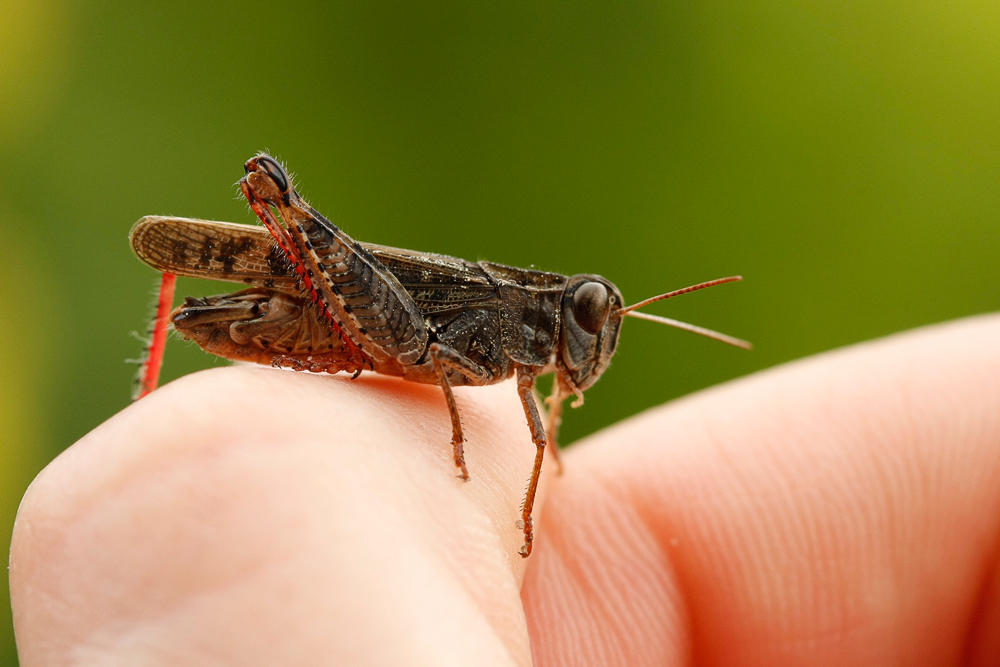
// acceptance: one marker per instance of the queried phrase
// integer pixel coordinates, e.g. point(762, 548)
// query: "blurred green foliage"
point(842, 155)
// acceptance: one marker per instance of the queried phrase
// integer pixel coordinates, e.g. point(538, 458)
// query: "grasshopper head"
point(593, 310)
point(590, 327)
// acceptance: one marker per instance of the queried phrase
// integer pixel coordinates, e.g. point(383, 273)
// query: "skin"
point(841, 510)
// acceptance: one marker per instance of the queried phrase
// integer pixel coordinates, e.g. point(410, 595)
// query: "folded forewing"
point(438, 283)
point(214, 250)
point(247, 254)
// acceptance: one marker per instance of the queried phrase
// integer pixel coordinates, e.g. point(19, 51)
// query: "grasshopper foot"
point(459, 452)
point(529, 537)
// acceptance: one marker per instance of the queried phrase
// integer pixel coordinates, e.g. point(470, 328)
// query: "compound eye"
point(274, 170)
point(590, 306)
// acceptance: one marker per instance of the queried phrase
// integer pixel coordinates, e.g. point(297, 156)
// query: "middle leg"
point(525, 389)
point(444, 357)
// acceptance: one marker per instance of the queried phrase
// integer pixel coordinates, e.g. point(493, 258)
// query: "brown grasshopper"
point(323, 302)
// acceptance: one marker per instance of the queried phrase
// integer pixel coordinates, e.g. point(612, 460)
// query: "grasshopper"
point(320, 301)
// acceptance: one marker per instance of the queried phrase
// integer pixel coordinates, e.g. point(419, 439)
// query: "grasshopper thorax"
point(590, 327)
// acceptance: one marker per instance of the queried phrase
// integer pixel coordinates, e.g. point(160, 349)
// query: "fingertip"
point(240, 485)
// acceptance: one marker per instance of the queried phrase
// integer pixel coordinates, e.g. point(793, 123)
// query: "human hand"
point(840, 510)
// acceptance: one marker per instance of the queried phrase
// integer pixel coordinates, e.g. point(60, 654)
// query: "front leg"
point(554, 404)
point(562, 388)
point(525, 388)
point(444, 357)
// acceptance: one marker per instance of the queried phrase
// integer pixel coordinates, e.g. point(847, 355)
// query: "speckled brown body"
point(321, 301)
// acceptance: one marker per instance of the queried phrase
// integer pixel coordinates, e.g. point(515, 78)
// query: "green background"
point(844, 156)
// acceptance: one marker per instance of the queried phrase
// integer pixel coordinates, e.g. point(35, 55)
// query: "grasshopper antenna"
point(678, 292)
point(630, 311)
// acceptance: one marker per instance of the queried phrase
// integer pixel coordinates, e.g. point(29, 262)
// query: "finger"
point(840, 510)
point(248, 516)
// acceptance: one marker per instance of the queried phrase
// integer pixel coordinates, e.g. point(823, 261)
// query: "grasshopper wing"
point(439, 284)
point(214, 250)
point(248, 254)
